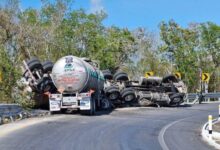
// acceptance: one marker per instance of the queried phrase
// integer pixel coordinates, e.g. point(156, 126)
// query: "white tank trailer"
point(71, 74)
point(71, 82)
point(79, 83)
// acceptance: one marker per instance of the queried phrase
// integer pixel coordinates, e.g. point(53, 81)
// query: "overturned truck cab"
point(166, 91)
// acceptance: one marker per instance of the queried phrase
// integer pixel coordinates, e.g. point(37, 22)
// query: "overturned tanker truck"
point(72, 82)
point(160, 91)
point(77, 83)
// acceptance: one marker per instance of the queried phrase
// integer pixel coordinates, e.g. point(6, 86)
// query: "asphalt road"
point(121, 129)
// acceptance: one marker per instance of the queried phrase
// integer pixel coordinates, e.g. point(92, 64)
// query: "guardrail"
point(192, 98)
point(10, 111)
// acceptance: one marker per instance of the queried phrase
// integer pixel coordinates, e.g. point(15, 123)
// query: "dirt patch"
point(216, 128)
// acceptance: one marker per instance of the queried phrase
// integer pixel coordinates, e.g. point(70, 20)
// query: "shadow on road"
point(184, 105)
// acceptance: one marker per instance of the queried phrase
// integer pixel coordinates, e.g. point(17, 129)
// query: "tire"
point(112, 93)
point(35, 65)
point(105, 104)
point(107, 74)
point(63, 110)
point(33, 59)
point(45, 85)
point(47, 66)
point(120, 76)
point(90, 112)
point(128, 95)
point(148, 82)
point(169, 78)
point(175, 96)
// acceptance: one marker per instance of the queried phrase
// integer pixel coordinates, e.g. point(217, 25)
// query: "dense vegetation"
point(55, 30)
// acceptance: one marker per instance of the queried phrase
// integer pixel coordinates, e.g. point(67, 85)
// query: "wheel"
point(47, 66)
point(169, 78)
point(31, 60)
point(107, 74)
point(34, 63)
point(176, 99)
point(120, 76)
point(45, 84)
point(105, 104)
point(63, 110)
point(128, 95)
point(112, 93)
point(91, 111)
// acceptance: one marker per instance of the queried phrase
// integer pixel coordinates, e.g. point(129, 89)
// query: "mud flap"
point(85, 103)
point(55, 105)
point(55, 102)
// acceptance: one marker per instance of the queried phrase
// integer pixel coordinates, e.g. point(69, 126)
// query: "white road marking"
point(163, 130)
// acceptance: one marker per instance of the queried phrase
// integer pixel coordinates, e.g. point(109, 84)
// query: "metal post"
point(206, 90)
point(20, 115)
point(29, 71)
point(11, 118)
point(210, 126)
point(219, 111)
point(201, 86)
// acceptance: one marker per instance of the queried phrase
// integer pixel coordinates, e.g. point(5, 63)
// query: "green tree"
point(146, 57)
point(181, 47)
point(210, 44)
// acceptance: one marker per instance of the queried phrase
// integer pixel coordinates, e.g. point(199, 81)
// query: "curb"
point(205, 134)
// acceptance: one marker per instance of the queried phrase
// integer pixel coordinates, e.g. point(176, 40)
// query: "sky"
point(147, 13)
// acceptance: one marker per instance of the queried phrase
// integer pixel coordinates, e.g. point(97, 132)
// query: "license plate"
point(69, 100)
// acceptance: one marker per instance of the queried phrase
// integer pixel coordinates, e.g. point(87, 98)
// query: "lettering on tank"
point(69, 67)
point(68, 80)
point(95, 74)
point(69, 60)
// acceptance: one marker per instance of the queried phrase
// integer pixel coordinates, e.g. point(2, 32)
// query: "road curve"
point(123, 129)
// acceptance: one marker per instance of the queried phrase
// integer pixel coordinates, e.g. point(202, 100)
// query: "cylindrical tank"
point(71, 74)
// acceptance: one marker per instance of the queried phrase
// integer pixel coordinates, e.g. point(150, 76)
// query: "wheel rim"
point(129, 97)
point(113, 96)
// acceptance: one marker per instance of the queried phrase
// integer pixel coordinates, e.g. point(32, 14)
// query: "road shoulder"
point(9, 128)
point(215, 140)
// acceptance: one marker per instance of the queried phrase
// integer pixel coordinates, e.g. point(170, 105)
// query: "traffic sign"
point(148, 74)
point(178, 75)
point(205, 77)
